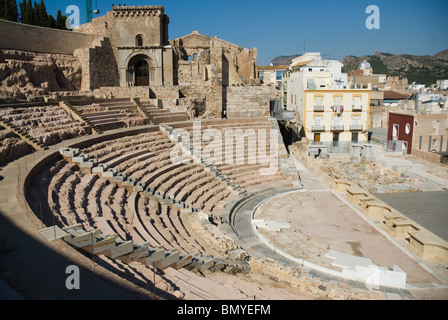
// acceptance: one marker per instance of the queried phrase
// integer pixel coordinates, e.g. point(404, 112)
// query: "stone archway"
point(140, 71)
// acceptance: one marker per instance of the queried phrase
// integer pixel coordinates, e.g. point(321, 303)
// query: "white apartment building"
point(326, 108)
point(442, 84)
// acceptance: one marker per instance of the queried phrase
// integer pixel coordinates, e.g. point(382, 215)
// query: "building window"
point(335, 139)
point(407, 128)
point(395, 132)
point(139, 40)
point(337, 101)
point(434, 142)
point(317, 137)
point(195, 57)
point(279, 74)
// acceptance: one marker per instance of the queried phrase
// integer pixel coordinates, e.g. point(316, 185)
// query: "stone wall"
point(430, 126)
point(428, 156)
point(24, 37)
point(25, 75)
point(249, 101)
point(98, 65)
point(120, 92)
point(195, 60)
point(164, 92)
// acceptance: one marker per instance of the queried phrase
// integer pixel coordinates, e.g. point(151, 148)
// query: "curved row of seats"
point(11, 147)
point(75, 197)
point(146, 157)
point(48, 124)
point(110, 113)
point(246, 170)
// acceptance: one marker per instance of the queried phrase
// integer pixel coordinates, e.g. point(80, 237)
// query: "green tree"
point(2, 9)
point(8, 10)
point(60, 21)
point(36, 14)
point(27, 12)
point(52, 22)
point(42, 15)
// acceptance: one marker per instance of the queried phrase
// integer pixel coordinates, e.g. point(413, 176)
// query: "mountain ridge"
point(425, 69)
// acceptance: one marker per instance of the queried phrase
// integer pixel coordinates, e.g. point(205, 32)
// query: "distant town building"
point(326, 108)
point(419, 131)
point(271, 75)
point(442, 85)
point(364, 76)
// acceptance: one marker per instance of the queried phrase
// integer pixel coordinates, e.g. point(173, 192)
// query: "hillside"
point(420, 69)
point(283, 60)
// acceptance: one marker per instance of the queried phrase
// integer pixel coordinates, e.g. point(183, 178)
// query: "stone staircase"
point(143, 112)
point(37, 145)
point(160, 115)
point(67, 106)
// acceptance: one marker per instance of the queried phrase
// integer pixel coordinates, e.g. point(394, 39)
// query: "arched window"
point(195, 57)
point(189, 58)
point(139, 40)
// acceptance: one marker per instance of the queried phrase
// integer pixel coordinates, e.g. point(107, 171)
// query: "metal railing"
point(317, 127)
point(318, 108)
point(357, 107)
point(337, 127)
point(356, 127)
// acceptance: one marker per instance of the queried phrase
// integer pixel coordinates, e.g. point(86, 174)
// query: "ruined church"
point(128, 53)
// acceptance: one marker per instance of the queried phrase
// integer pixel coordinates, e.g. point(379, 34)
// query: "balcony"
point(318, 127)
point(337, 108)
point(356, 127)
point(337, 127)
point(356, 107)
point(318, 108)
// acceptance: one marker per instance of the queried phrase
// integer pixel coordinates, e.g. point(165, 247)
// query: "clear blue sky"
point(333, 27)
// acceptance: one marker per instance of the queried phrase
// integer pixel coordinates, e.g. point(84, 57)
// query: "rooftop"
point(392, 95)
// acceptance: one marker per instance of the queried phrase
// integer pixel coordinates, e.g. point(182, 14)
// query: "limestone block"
point(171, 258)
point(140, 252)
point(109, 173)
point(138, 187)
point(122, 249)
point(83, 240)
point(149, 191)
point(104, 244)
point(100, 168)
point(155, 255)
point(183, 261)
point(69, 152)
point(80, 158)
point(89, 164)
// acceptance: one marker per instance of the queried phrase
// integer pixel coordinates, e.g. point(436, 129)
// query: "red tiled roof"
point(392, 95)
point(272, 67)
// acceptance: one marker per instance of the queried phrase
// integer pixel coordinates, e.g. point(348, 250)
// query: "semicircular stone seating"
point(44, 124)
point(75, 197)
point(158, 207)
point(243, 151)
point(110, 114)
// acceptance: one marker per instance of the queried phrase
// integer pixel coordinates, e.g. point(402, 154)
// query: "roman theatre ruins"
point(89, 120)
